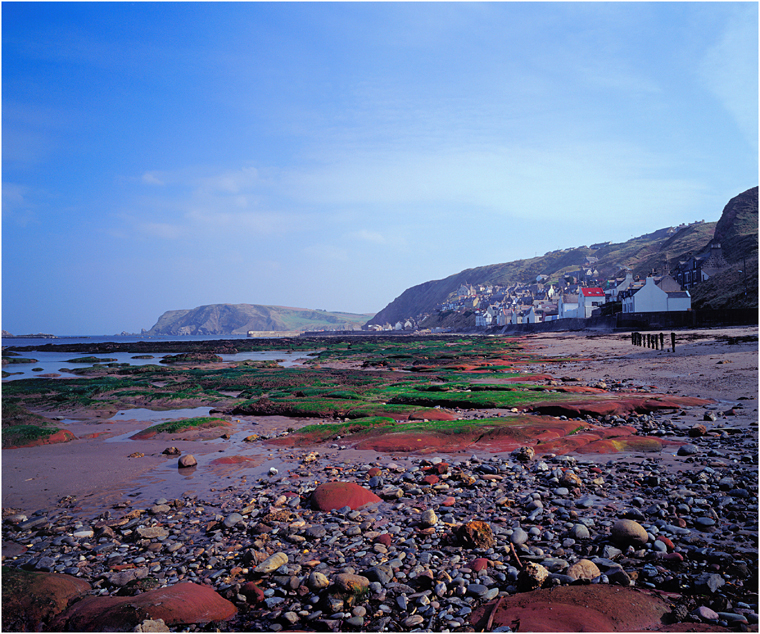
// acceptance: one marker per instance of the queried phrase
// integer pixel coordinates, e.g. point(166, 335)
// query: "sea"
point(47, 362)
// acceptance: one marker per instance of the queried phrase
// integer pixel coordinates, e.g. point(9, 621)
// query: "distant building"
point(588, 299)
point(700, 268)
point(650, 298)
point(567, 306)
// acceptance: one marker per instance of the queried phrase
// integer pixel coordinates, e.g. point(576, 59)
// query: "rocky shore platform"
point(334, 537)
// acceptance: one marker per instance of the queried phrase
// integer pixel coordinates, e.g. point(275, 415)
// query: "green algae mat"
point(376, 382)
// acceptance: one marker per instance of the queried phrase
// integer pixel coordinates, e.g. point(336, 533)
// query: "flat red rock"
point(599, 608)
point(183, 603)
point(33, 598)
point(336, 495)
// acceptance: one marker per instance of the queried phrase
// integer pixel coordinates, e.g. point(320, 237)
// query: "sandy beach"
point(719, 364)
point(274, 534)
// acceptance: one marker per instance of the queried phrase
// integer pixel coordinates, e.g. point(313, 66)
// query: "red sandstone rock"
point(385, 539)
point(597, 608)
point(31, 599)
point(252, 592)
point(617, 405)
point(335, 495)
point(431, 479)
point(181, 604)
point(481, 563)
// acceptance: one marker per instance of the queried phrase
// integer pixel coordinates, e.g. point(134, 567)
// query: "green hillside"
point(658, 252)
point(238, 319)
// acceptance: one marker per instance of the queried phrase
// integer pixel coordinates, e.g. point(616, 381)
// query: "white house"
point(567, 306)
point(589, 298)
point(504, 317)
point(532, 317)
point(623, 286)
point(679, 300)
point(650, 298)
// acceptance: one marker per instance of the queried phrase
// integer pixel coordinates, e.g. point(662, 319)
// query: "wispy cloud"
point(162, 230)
point(17, 206)
point(364, 235)
point(326, 253)
point(151, 179)
point(729, 70)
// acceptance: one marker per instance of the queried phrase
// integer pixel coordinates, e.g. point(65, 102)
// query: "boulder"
point(588, 608)
point(336, 495)
point(181, 604)
point(531, 577)
point(31, 599)
point(524, 454)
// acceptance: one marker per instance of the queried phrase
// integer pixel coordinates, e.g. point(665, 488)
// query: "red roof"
point(592, 292)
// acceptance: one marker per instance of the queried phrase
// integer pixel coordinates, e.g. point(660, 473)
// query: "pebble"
point(403, 558)
point(627, 531)
point(519, 536)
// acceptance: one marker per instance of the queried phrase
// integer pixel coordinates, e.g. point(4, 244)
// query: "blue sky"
point(159, 156)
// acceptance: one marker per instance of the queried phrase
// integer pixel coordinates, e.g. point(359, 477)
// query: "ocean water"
point(52, 362)
point(41, 341)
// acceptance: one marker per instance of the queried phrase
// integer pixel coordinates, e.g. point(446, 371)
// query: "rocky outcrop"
point(31, 599)
point(736, 232)
point(737, 229)
point(238, 319)
point(181, 604)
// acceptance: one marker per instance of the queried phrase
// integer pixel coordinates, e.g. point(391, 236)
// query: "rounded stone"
point(351, 583)
point(318, 581)
point(629, 532)
point(187, 461)
point(270, 564)
point(579, 531)
point(584, 569)
point(519, 536)
point(336, 495)
point(413, 621)
point(429, 518)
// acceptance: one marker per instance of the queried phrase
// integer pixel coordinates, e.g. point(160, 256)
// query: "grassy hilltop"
point(238, 319)
point(736, 232)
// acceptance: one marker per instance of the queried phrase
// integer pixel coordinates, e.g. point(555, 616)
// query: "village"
point(576, 294)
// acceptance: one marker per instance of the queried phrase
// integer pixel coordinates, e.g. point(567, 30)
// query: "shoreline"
point(703, 365)
point(129, 525)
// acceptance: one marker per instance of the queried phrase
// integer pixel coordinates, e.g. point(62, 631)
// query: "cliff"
point(662, 250)
point(238, 319)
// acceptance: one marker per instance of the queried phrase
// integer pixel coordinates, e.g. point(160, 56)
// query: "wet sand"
point(99, 472)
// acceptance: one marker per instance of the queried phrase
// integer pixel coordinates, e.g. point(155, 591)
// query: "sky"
point(163, 156)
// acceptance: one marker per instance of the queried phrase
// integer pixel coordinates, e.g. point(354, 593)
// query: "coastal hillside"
point(661, 251)
point(238, 319)
point(737, 234)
